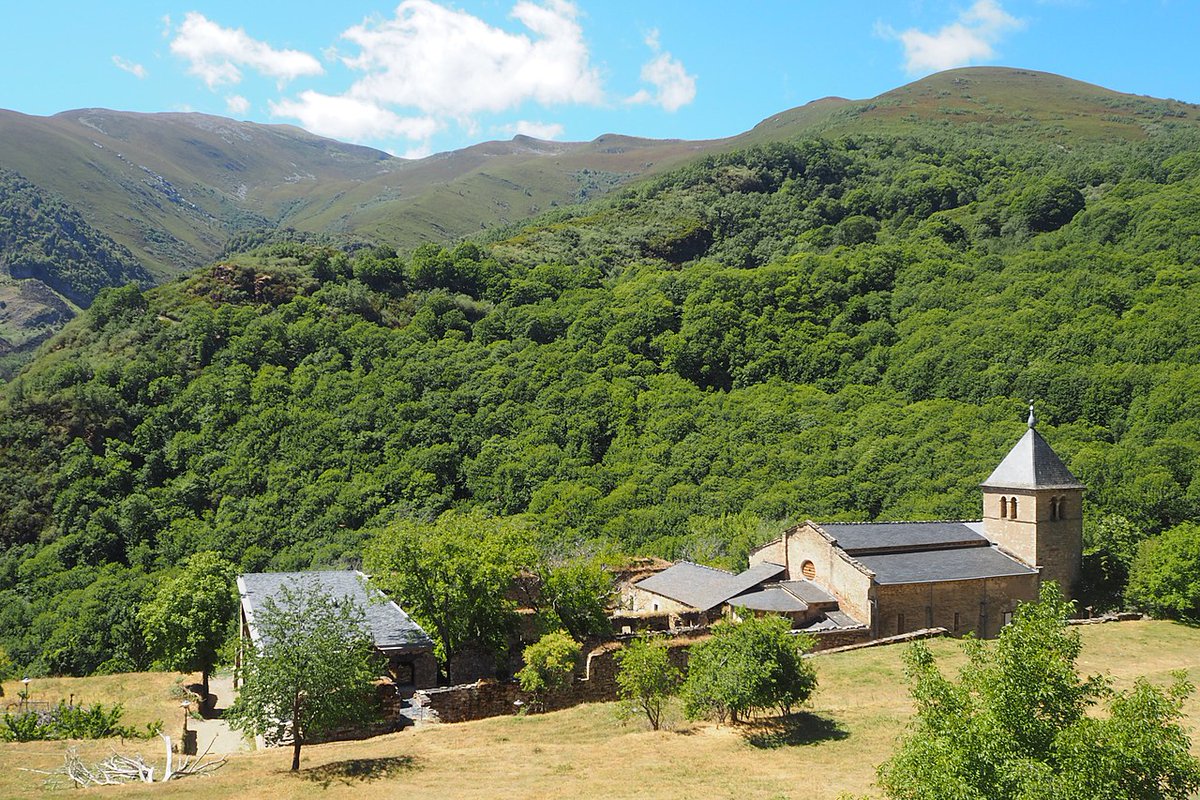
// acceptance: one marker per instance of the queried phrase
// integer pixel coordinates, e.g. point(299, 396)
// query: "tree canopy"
point(746, 667)
point(192, 615)
point(1165, 575)
point(1016, 723)
point(454, 575)
point(835, 329)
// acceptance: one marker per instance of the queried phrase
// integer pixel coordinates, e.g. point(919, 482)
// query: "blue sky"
point(423, 76)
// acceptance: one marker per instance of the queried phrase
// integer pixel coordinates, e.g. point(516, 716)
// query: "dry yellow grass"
point(855, 720)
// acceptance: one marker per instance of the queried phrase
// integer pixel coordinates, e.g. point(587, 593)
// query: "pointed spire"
point(1032, 464)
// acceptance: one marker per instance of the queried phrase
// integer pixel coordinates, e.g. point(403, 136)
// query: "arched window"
point(1062, 508)
point(808, 570)
point(1003, 507)
point(1053, 508)
point(1012, 508)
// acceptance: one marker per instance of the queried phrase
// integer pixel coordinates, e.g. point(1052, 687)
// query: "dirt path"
point(214, 730)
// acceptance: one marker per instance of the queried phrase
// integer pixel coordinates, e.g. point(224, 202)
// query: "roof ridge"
point(711, 569)
point(904, 522)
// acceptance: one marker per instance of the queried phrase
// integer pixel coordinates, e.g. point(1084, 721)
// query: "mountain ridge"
point(174, 187)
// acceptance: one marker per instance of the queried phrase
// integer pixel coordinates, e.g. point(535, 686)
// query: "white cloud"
point(674, 88)
point(421, 151)
point(538, 130)
point(236, 104)
point(353, 119)
point(136, 70)
point(451, 64)
point(972, 37)
point(215, 54)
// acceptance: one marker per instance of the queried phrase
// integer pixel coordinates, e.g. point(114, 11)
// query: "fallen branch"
point(120, 769)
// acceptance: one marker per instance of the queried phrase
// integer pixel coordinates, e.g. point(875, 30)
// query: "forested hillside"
point(45, 242)
point(843, 328)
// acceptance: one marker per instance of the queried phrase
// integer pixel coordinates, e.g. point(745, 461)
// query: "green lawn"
point(852, 725)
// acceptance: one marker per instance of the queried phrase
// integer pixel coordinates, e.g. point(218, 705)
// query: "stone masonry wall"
point(595, 683)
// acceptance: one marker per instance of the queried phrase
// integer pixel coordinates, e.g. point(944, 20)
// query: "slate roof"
point(702, 587)
point(771, 599)
point(390, 627)
point(927, 566)
point(866, 537)
point(1032, 464)
point(808, 591)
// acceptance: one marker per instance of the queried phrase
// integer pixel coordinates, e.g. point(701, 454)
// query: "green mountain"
point(846, 325)
point(176, 190)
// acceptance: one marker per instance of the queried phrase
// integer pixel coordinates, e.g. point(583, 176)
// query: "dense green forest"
point(43, 237)
point(834, 329)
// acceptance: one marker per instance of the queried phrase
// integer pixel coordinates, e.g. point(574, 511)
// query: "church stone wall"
point(980, 605)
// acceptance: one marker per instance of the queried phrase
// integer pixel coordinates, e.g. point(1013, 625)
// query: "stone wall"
point(960, 607)
point(840, 637)
point(595, 683)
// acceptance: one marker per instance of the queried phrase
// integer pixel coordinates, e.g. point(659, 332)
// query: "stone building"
point(401, 641)
point(897, 577)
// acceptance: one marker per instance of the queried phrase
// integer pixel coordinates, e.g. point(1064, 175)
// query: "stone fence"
point(595, 682)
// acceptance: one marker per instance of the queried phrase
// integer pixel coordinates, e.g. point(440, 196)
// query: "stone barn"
point(400, 640)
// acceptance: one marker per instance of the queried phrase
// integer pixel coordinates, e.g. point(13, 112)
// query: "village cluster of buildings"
point(884, 578)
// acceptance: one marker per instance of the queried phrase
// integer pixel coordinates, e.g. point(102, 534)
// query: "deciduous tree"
point(1165, 576)
point(646, 679)
point(191, 615)
point(311, 669)
point(453, 575)
point(1015, 724)
point(549, 664)
point(746, 667)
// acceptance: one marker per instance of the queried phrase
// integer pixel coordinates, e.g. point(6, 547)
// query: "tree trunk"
point(296, 732)
point(204, 683)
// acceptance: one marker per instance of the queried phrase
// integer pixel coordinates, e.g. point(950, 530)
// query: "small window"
point(928, 616)
point(899, 623)
point(656, 606)
point(1012, 508)
point(1007, 617)
point(808, 570)
point(1003, 507)
point(1062, 508)
point(956, 622)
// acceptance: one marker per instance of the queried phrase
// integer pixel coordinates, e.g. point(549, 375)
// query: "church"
point(897, 577)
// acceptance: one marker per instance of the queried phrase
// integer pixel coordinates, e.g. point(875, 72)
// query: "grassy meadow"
point(850, 726)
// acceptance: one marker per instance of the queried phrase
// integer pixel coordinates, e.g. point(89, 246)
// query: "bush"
point(549, 665)
point(746, 667)
point(72, 722)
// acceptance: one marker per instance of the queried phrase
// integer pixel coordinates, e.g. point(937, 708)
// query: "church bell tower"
point(1033, 507)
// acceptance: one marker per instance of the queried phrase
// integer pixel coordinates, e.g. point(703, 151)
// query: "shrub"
point(549, 665)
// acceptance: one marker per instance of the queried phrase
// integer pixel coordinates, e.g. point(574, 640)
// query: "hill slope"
point(174, 188)
point(834, 329)
point(851, 724)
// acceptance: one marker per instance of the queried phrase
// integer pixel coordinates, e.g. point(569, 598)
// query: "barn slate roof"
point(866, 537)
point(703, 587)
point(956, 564)
point(808, 591)
point(1032, 464)
point(773, 598)
point(391, 628)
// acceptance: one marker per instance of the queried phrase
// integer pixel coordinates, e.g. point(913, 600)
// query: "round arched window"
point(808, 570)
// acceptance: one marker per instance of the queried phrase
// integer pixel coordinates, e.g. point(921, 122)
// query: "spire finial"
point(1032, 418)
